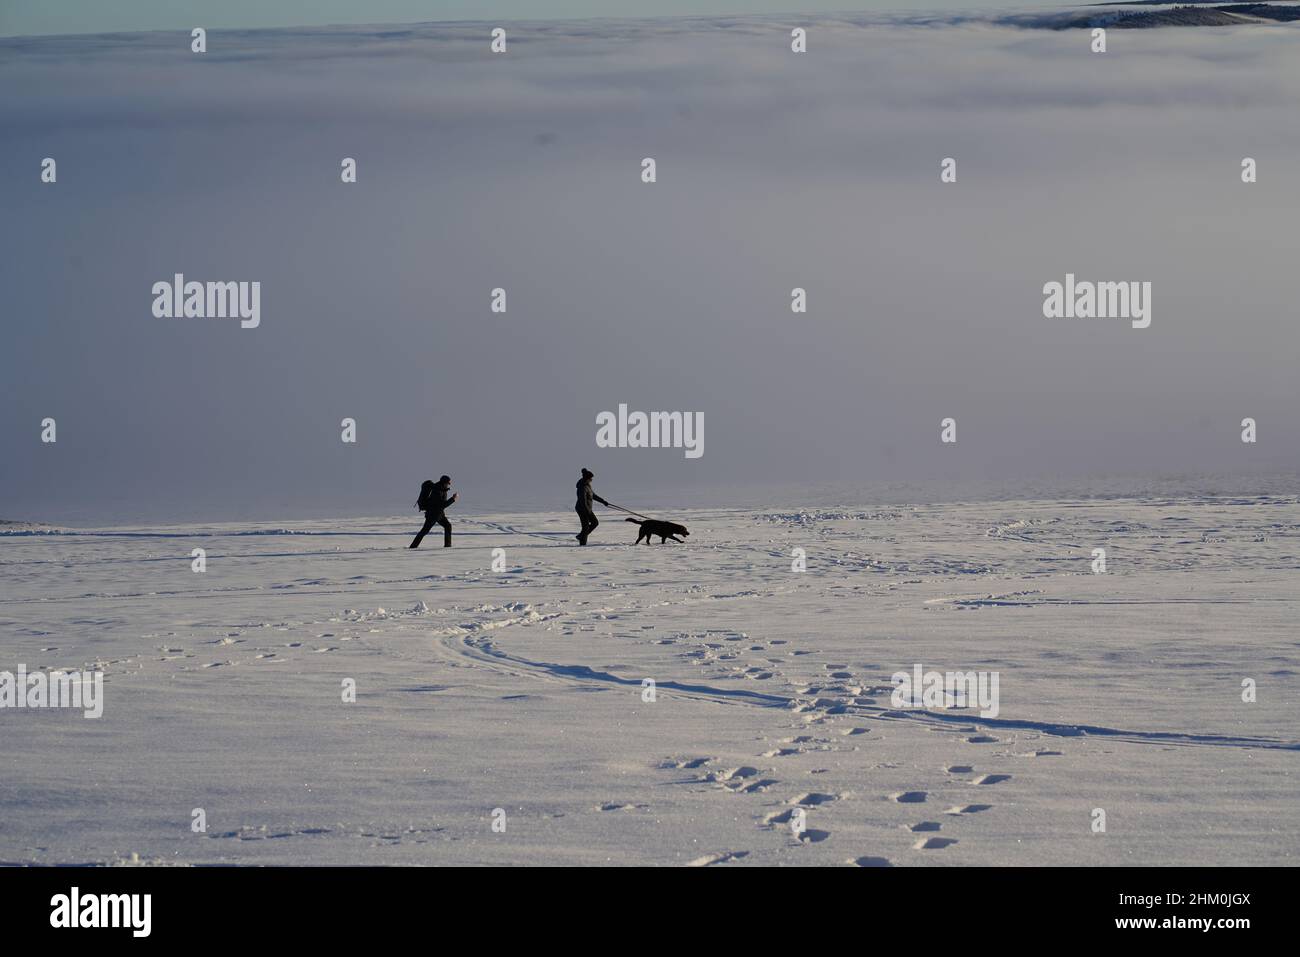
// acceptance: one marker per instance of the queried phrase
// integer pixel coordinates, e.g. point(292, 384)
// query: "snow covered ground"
point(523, 690)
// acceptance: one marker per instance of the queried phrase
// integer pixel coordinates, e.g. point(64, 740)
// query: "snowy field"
point(523, 690)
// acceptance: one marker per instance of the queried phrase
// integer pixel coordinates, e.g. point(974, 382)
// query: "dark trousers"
point(429, 519)
point(589, 523)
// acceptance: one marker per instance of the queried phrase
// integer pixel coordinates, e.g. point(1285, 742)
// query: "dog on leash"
point(665, 530)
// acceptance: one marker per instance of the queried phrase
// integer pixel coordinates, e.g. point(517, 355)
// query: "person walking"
point(433, 502)
point(583, 508)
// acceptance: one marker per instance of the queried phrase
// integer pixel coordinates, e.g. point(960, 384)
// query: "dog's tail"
point(634, 521)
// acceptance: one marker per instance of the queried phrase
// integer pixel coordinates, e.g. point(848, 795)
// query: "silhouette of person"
point(583, 508)
point(433, 500)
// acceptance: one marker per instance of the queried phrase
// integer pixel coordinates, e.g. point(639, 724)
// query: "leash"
point(630, 512)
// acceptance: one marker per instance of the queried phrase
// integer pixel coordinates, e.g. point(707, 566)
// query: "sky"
point(41, 17)
point(522, 171)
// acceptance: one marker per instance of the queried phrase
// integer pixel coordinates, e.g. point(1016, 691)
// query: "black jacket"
point(585, 495)
point(437, 501)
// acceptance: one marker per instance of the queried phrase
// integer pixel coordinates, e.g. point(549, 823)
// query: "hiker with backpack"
point(433, 500)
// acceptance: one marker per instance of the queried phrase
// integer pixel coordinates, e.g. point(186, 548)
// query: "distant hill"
point(1199, 15)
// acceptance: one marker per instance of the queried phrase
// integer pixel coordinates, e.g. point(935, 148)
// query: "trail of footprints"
point(273, 653)
point(820, 705)
point(934, 842)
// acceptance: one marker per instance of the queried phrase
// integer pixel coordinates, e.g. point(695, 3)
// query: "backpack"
point(426, 495)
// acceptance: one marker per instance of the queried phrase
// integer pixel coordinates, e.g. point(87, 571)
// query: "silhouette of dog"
point(665, 530)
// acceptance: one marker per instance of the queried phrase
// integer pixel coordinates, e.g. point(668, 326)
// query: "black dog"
point(665, 530)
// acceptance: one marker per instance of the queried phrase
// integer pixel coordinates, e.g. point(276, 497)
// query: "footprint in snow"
point(813, 799)
point(710, 859)
point(684, 764)
point(910, 797)
point(933, 843)
point(968, 808)
point(728, 774)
